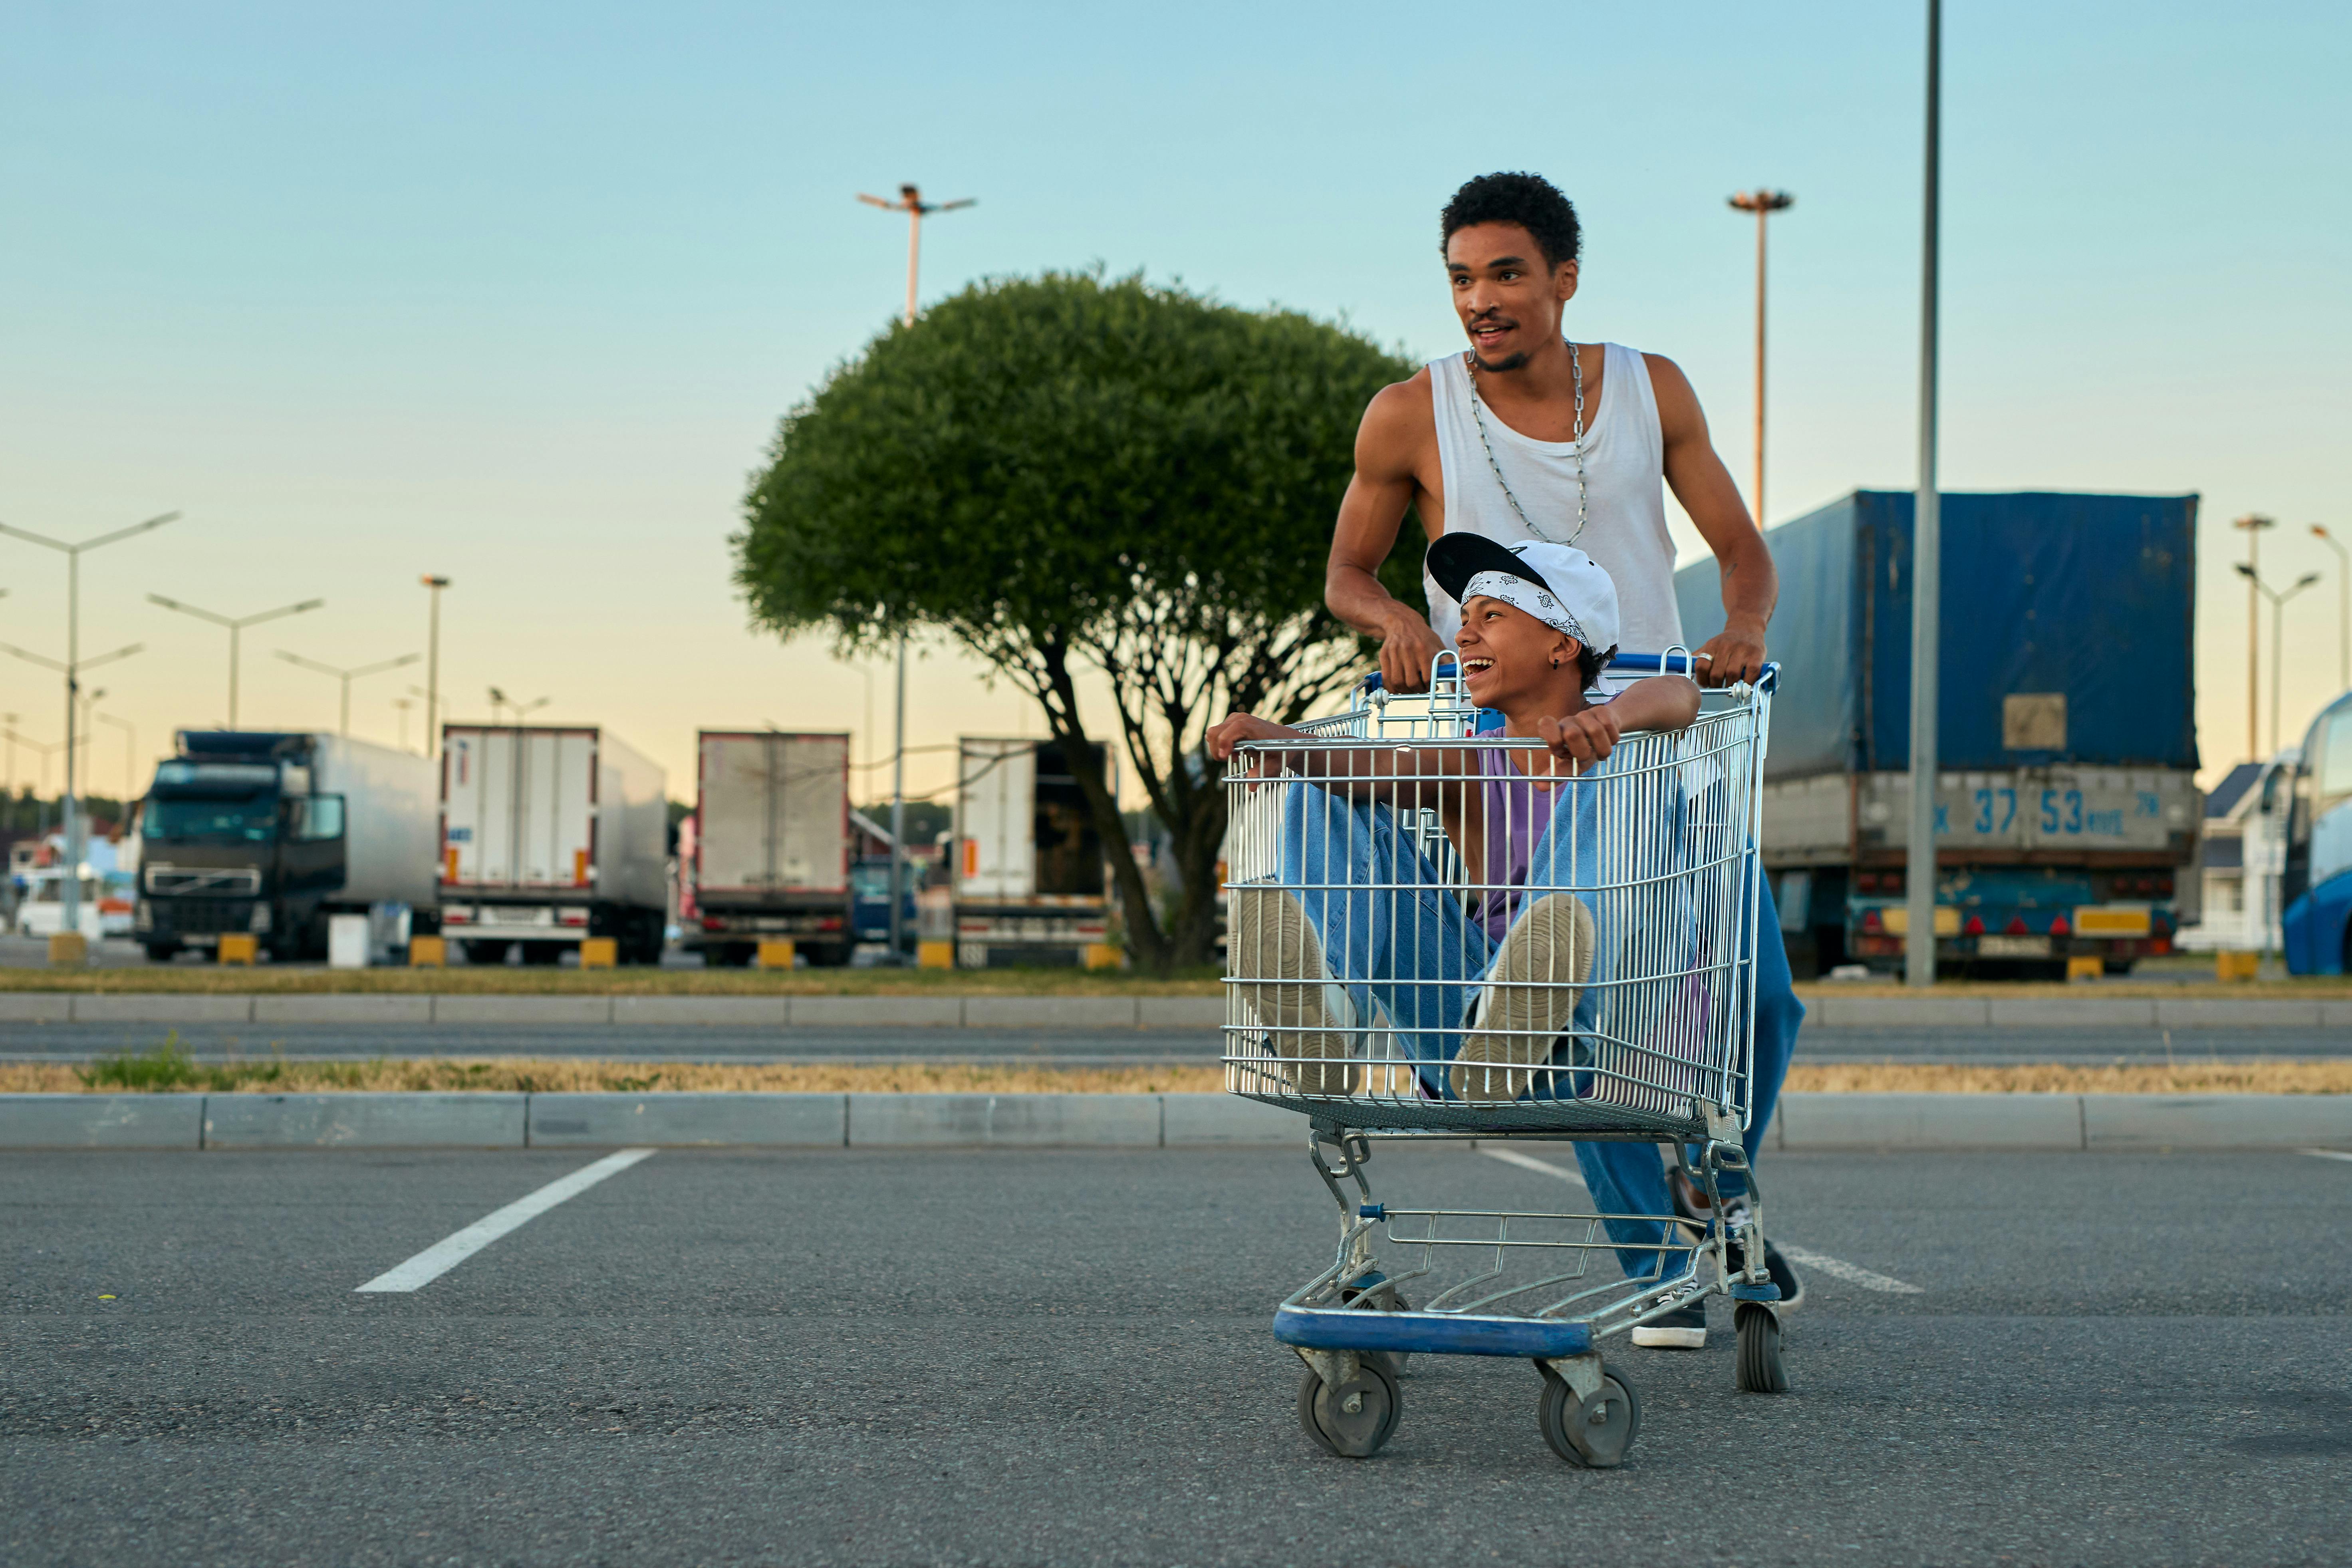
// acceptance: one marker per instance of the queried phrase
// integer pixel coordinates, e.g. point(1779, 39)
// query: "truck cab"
point(234, 840)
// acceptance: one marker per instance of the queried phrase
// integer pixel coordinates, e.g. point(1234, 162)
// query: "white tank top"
point(1624, 472)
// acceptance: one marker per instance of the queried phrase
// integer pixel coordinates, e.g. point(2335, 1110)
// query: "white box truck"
point(272, 834)
point(771, 846)
point(550, 834)
point(1029, 883)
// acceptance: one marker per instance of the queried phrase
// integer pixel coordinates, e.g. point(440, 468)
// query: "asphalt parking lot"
point(1064, 1356)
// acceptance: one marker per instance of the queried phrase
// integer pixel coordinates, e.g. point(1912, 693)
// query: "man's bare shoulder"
point(1677, 400)
point(1399, 422)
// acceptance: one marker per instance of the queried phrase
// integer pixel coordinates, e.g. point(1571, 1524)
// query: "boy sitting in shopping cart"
point(1484, 965)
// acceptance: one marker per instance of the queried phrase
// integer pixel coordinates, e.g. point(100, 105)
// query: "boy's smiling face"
point(1507, 655)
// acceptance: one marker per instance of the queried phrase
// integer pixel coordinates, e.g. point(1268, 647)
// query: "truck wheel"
point(733, 954)
point(487, 953)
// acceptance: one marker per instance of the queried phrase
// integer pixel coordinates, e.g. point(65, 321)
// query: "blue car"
point(870, 887)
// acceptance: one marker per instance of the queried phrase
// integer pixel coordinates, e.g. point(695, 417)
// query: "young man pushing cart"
point(1530, 435)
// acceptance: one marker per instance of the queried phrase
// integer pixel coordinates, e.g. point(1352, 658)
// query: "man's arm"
point(1370, 516)
point(1750, 586)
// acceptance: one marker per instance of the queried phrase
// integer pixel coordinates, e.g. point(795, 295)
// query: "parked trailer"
point(1030, 882)
point(771, 846)
point(551, 835)
point(2067, 805)
point(270, 834)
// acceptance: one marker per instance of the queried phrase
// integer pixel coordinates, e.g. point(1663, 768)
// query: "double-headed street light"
point(347, 677)
point(130, 759)
point(501, 700)
point(2278, 640)
point(2343, 604)
point(236, 625)
point(70, 912)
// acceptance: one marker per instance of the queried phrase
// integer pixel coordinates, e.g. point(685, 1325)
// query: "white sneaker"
point(1684, 1329)
point(1529, 999)
point(1306, 1015)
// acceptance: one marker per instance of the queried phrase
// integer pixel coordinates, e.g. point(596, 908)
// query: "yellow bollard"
point(776, 954)
point(1104, 955)
point(2084, 969)
point(600, 952)
point(69, 947)
point(2236, 965)
point(428, 952)
point(238, 949)
point(935, 955)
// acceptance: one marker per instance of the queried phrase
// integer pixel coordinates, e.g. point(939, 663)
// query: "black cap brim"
point(1456, 558)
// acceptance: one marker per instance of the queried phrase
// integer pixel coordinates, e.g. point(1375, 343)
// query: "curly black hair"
point(1531, 201)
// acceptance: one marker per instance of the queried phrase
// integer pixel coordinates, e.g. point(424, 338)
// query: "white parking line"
point(450, 1251)
point(1530, 1162)
point(2328, 1154)
point(1851, 1273)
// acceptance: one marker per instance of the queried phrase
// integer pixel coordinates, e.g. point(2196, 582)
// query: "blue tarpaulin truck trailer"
point(2066, 806)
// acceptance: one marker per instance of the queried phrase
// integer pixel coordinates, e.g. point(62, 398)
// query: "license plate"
point(2012, 947)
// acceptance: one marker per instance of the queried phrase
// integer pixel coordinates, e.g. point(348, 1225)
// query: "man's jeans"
point(1631, 1178)
point(1390, 926)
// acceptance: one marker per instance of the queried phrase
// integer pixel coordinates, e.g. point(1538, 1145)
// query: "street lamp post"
point(2278, 599)
point(910, 202)
point(129, 754)
point(501, 700)
point(44, 750)
point(2253, 523)
point(2343, 604)
point(433, 668)
point(1763, 203)
point(1927, 566)
point(69, 889)
point(236, 625)
point(347, 677)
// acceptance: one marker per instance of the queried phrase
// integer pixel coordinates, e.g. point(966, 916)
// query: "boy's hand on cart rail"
point(1586, 737)
point(1735, 653)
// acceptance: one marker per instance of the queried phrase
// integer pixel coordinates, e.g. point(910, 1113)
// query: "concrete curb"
point(979, 1012)
point(1895, 1122)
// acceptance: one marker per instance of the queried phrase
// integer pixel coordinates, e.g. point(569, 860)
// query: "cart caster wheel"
point(1354, 1419)
point(1397, 1361)
point(1760, 1370)
point(1595, 1433)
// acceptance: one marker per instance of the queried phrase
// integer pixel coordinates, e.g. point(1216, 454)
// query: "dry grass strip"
point(169, 1068)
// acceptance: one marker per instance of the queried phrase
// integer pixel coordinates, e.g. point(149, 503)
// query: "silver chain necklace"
point(1477, 412)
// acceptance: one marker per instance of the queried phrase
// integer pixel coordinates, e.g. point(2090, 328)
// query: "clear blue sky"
point(517, 292)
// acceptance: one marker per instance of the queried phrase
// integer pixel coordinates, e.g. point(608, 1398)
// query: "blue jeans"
point(1631, 1178)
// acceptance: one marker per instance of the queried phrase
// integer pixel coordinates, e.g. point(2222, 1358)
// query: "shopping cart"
point(1387, 977)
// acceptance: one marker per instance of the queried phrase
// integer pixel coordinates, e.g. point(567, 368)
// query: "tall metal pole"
point(2253, 523)
point(910, 202)
point(1926, 571)
point(898, 803)
point(433, 669)
point(2343, 605)
point(1763, 203)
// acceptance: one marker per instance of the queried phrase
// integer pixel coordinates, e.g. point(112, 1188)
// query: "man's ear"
point(1563, 280)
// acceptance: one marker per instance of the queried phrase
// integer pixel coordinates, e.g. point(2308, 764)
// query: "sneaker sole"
point(1651, 1337)
point(1275, 943)
point(1531, 996)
